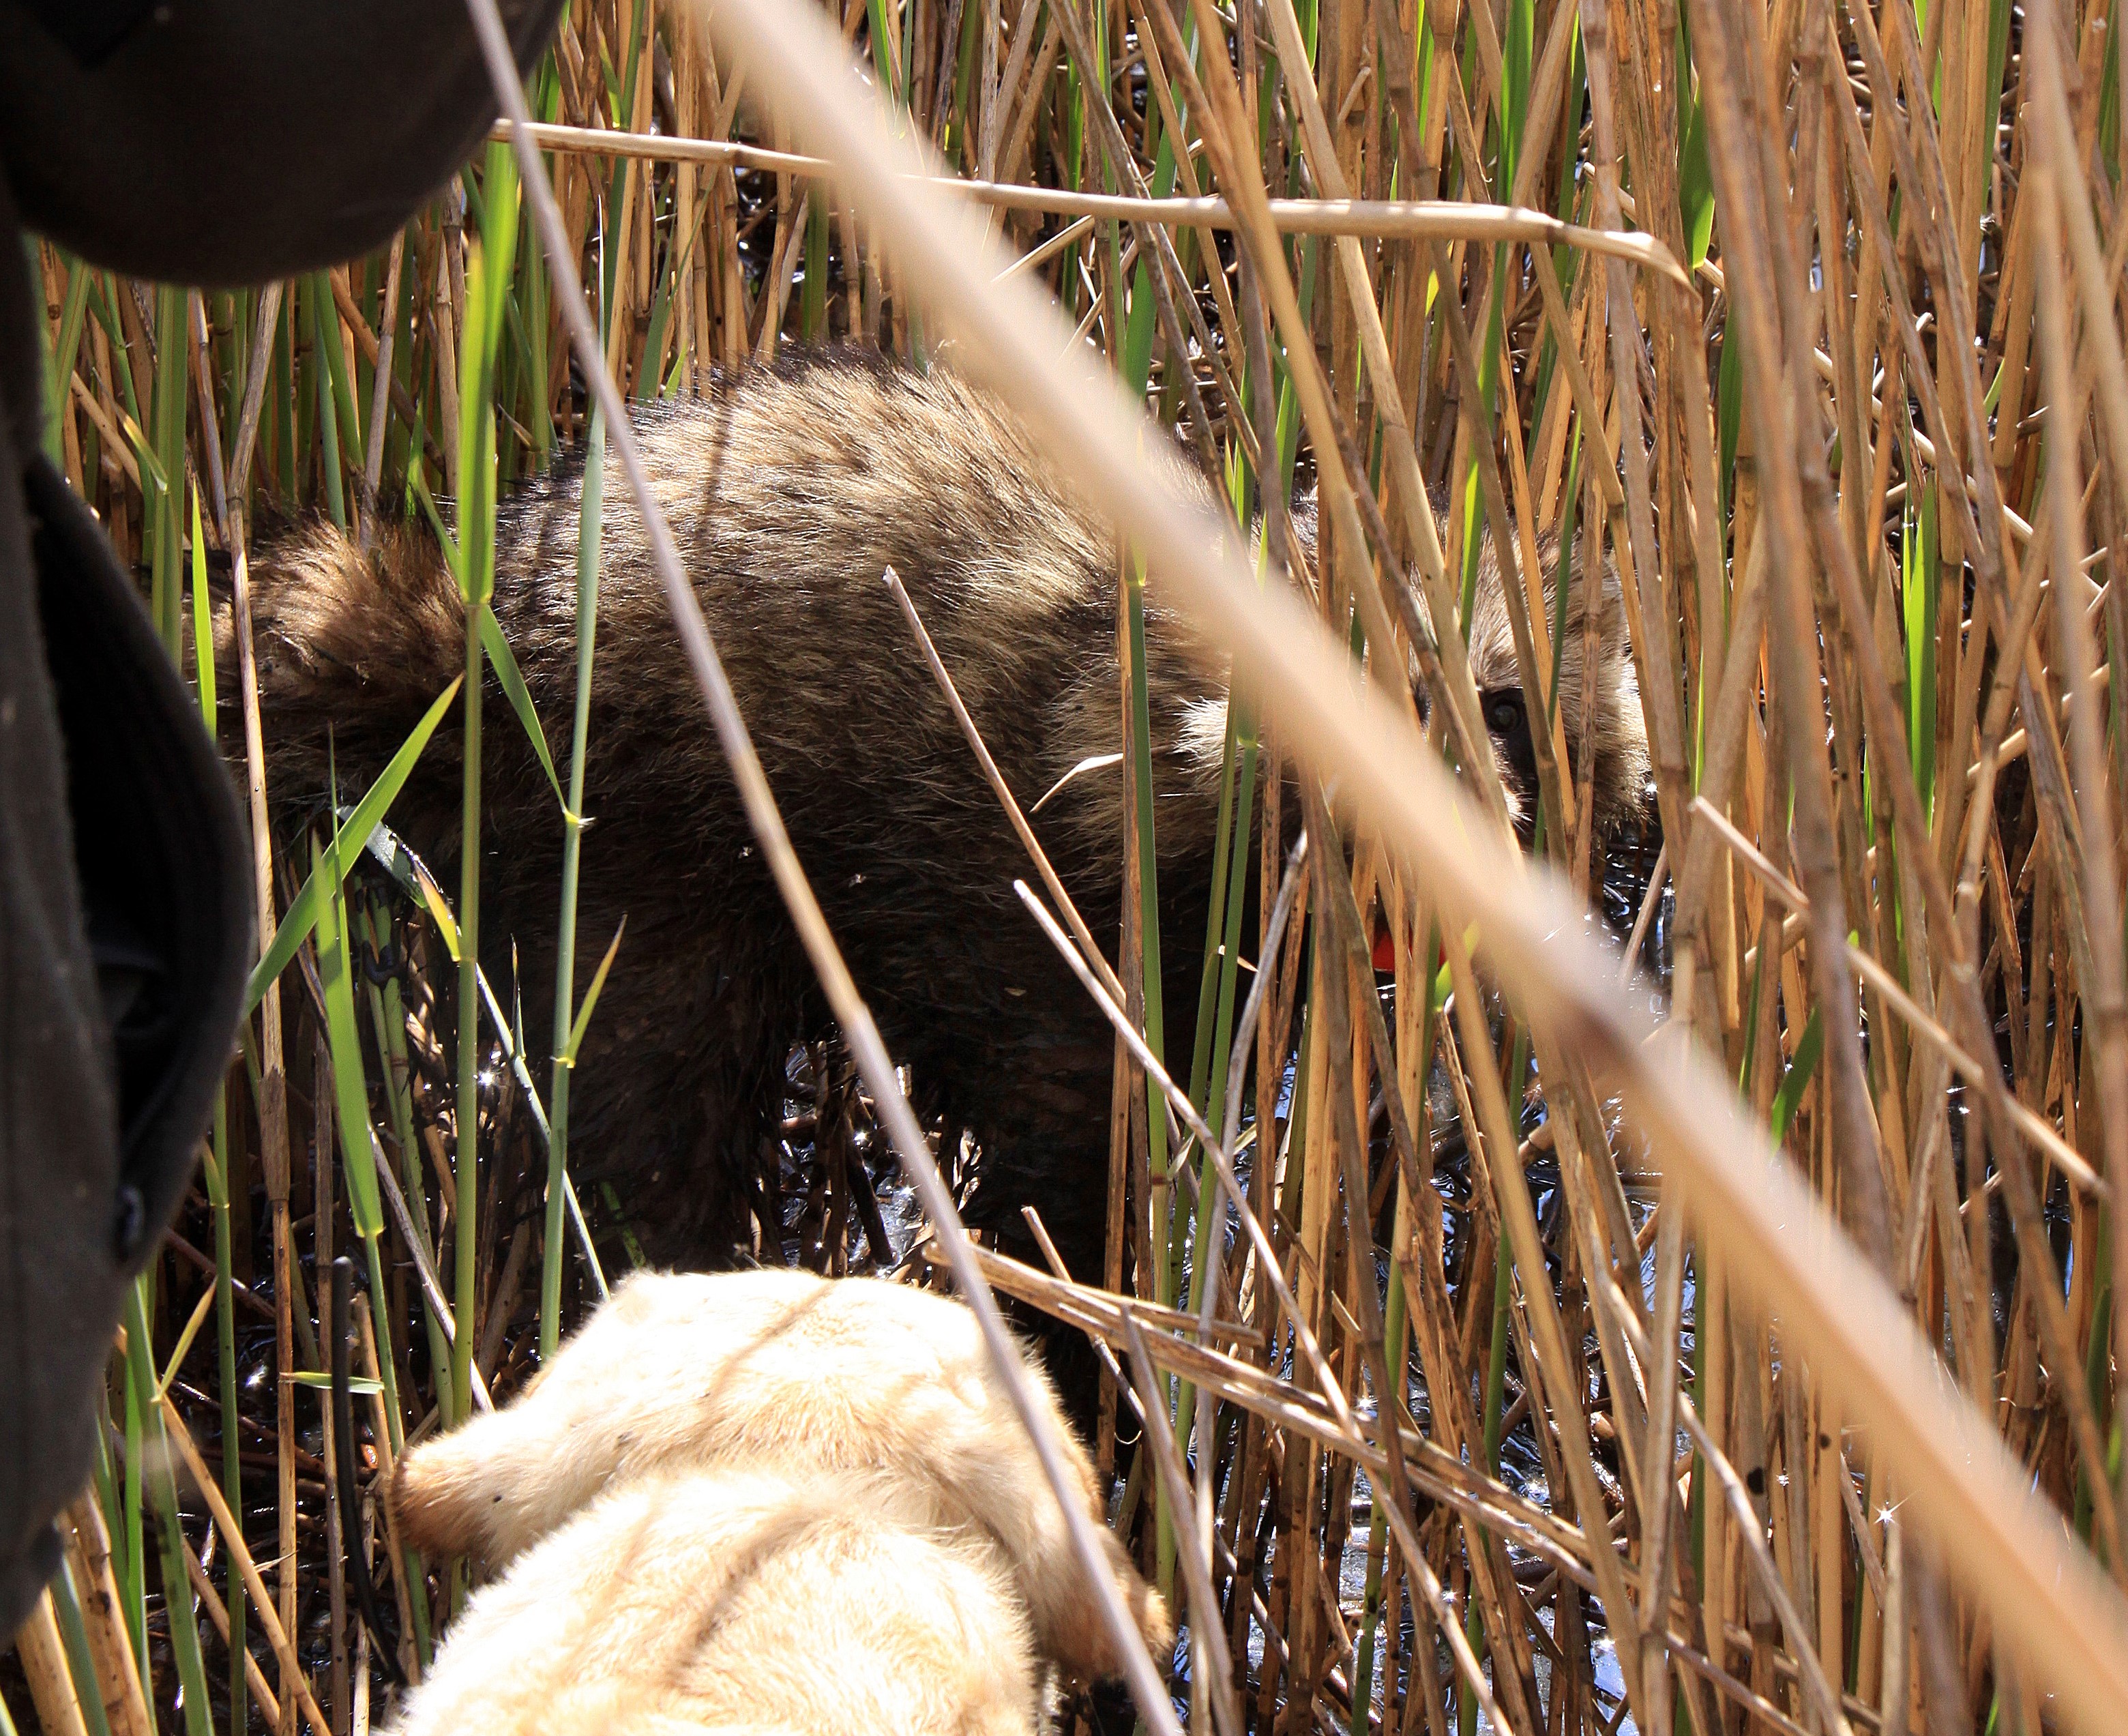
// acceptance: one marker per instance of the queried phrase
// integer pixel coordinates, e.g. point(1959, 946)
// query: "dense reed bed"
point(1473, 1361)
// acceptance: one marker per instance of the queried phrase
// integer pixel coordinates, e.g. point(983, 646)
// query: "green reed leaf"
point(303, 915)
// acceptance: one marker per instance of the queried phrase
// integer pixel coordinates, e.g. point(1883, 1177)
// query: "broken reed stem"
point(1377, 219)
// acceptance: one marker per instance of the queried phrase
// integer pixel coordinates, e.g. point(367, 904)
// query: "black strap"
point(88, 29)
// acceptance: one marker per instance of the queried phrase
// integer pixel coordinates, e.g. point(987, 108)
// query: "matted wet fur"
point(789, 490)
point(761, 1499)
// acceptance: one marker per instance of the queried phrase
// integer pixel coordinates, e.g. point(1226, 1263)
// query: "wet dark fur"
point(788, 492)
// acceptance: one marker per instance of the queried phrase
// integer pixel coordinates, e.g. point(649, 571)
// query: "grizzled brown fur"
point(1617, 730)
point(789, 491)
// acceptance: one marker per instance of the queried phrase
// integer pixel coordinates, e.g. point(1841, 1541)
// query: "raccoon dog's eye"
point(1503, 712)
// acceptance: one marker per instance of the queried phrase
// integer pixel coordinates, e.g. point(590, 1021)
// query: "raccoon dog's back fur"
point(763, 1500)
point(789, 491)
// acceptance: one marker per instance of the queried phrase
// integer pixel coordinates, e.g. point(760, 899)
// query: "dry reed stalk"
point(1774, 1233)
point(88, 1547)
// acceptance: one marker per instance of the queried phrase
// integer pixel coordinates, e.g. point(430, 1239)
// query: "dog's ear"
point(443, 1493)
point(1078, 1641)
point(998, 1480)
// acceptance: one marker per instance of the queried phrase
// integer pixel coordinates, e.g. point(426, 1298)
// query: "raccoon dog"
point(760, 1499)
point(789, 491)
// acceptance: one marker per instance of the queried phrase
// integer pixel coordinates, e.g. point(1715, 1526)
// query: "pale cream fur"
point(683, 1382)
point(726, 1600)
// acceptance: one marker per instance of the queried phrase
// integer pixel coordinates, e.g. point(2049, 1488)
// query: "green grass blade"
point(473, 553)
point(1518, 48)
point(133, 1581)
point(216, 1173)
point(419, 485)
point(202, 622)
point(1729, 418)
point(102, 290)
point(1695, 174)
point(350, 1085)
point(388, 1028)
point(345, 429)
point(81, 1662)
point(182, 1619)
point(59, 362)
point(591, 994)
point(391, 854)
point(303, 915)
point(162, 513)
point(326, 426)
point(1796, 1081)
point(487, 283)
point(512, 680)
point(590, 531)
point(884, 59)
point(1918, 597)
